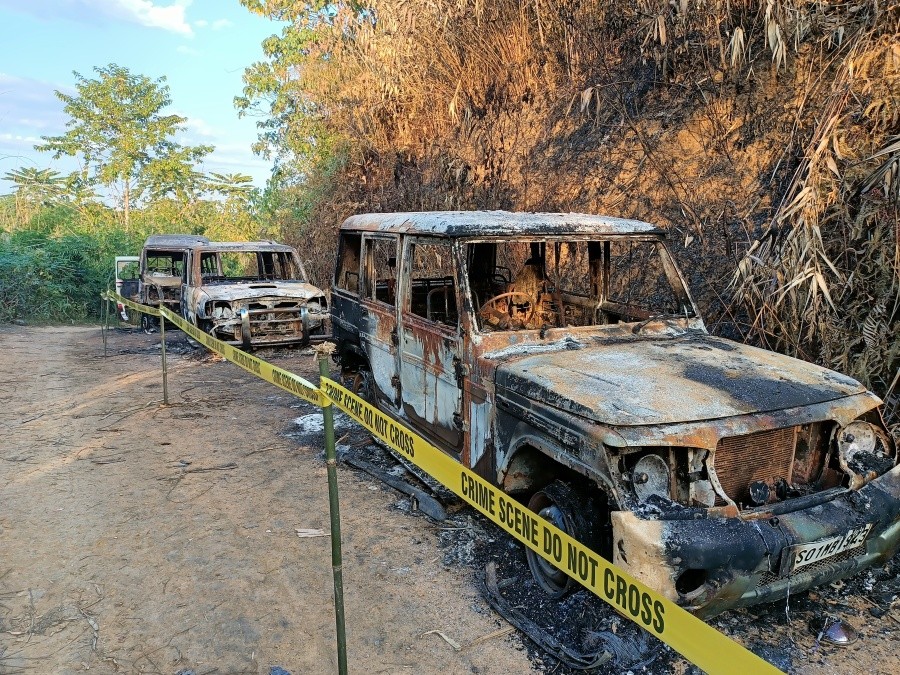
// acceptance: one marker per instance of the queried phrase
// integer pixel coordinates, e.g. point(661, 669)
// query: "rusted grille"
point(814, 568)
point(765, 456)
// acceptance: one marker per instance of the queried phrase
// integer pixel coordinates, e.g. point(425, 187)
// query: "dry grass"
point(763, 133)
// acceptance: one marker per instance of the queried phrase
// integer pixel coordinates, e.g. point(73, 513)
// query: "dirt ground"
point(136, 537)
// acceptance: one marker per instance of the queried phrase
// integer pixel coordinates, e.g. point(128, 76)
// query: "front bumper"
point(257, 328)
point(709, 565)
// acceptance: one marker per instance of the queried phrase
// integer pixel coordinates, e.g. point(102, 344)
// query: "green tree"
point(118, 129)
point(286, 90)
point(34, 187)
point(236, 186)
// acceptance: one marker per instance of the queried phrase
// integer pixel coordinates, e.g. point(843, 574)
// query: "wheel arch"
point(533, 463)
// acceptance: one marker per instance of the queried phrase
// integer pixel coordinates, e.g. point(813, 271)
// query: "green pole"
point(336, 560)
point(162, 339)
point(104, 319)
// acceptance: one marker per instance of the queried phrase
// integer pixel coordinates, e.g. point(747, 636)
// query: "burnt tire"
point(573, 512)
point(149, 324)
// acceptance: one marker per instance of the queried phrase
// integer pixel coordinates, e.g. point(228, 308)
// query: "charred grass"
point(778, 632)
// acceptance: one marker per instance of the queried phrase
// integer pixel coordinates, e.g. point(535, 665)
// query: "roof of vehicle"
point(174, 241)
point(265, 245)
point(496, 223)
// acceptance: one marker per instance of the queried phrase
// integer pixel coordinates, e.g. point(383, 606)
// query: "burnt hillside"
point(764, 134)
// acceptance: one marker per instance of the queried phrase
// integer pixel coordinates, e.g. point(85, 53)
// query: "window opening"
point(165, 263)
point(521, 285)
point(432, 285)
point(348, 264)
point(382, 266)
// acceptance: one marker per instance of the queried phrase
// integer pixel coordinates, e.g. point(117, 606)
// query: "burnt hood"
point(261, 289)
point(686, 379)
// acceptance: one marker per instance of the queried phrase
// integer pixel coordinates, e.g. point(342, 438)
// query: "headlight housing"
point(863, 452)
point(651, 477)
point(219, 310)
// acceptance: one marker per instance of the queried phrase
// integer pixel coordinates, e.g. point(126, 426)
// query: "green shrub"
point(58, 277)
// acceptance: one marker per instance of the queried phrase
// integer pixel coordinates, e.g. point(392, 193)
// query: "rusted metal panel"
point(377, 340)
point(672, 424)
point(486, 223)
point(684, 379)
point(273, 306)
point(430, 389)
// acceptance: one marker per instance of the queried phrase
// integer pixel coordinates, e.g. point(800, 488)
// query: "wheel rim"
point(550, 578)
point(552, 574)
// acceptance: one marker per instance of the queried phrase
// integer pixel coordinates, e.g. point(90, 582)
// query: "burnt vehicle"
point(562, 357)
point(127, 281)
point(162, 269)
point(252, 294)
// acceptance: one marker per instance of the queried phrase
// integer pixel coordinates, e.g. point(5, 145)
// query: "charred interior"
point(529, 284)
point(163, 272)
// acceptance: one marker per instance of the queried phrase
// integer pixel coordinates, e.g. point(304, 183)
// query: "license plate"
point(806, 554)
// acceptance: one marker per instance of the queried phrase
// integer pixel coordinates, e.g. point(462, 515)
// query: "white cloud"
point(187, 51)
point(149, 13)
point(20, 140)
point(196, 126)
point(27, 103)
point(218, 24)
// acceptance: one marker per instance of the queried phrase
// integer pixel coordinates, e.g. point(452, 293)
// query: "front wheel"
point(573, 512)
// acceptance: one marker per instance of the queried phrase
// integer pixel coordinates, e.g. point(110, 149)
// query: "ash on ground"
point(777, 632)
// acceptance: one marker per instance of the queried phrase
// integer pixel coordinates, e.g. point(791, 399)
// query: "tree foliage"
point(34, 187)
point(118, 129)
point(762, 133)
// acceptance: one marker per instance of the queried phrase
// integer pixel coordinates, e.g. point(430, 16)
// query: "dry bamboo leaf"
point(450, 641)
point(820, 281)
point(586, 98)
point(310, 533)
point(736, 48)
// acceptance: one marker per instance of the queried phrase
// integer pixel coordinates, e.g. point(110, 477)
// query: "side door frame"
point(379, 340)
point(429, 355)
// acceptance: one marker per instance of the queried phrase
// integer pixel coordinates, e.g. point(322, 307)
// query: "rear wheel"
point(149, 324)
point(573, 512)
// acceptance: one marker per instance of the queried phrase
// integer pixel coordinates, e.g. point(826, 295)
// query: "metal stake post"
point(336, 559)
point(104, 319)
point(162, 339)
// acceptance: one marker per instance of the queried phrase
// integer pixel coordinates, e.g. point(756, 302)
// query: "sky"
point(200, 46)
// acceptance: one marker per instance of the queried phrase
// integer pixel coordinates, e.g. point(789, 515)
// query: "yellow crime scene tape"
point(697, 641)
point(284, 379)
point(115, 297)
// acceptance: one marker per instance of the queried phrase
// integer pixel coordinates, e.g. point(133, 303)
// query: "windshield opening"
point(527, 285)
point(164, 263)
point(230, 266)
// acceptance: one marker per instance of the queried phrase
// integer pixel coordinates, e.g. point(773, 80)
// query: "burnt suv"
point(162, 269)
point(562, 357)
point(252, 294)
